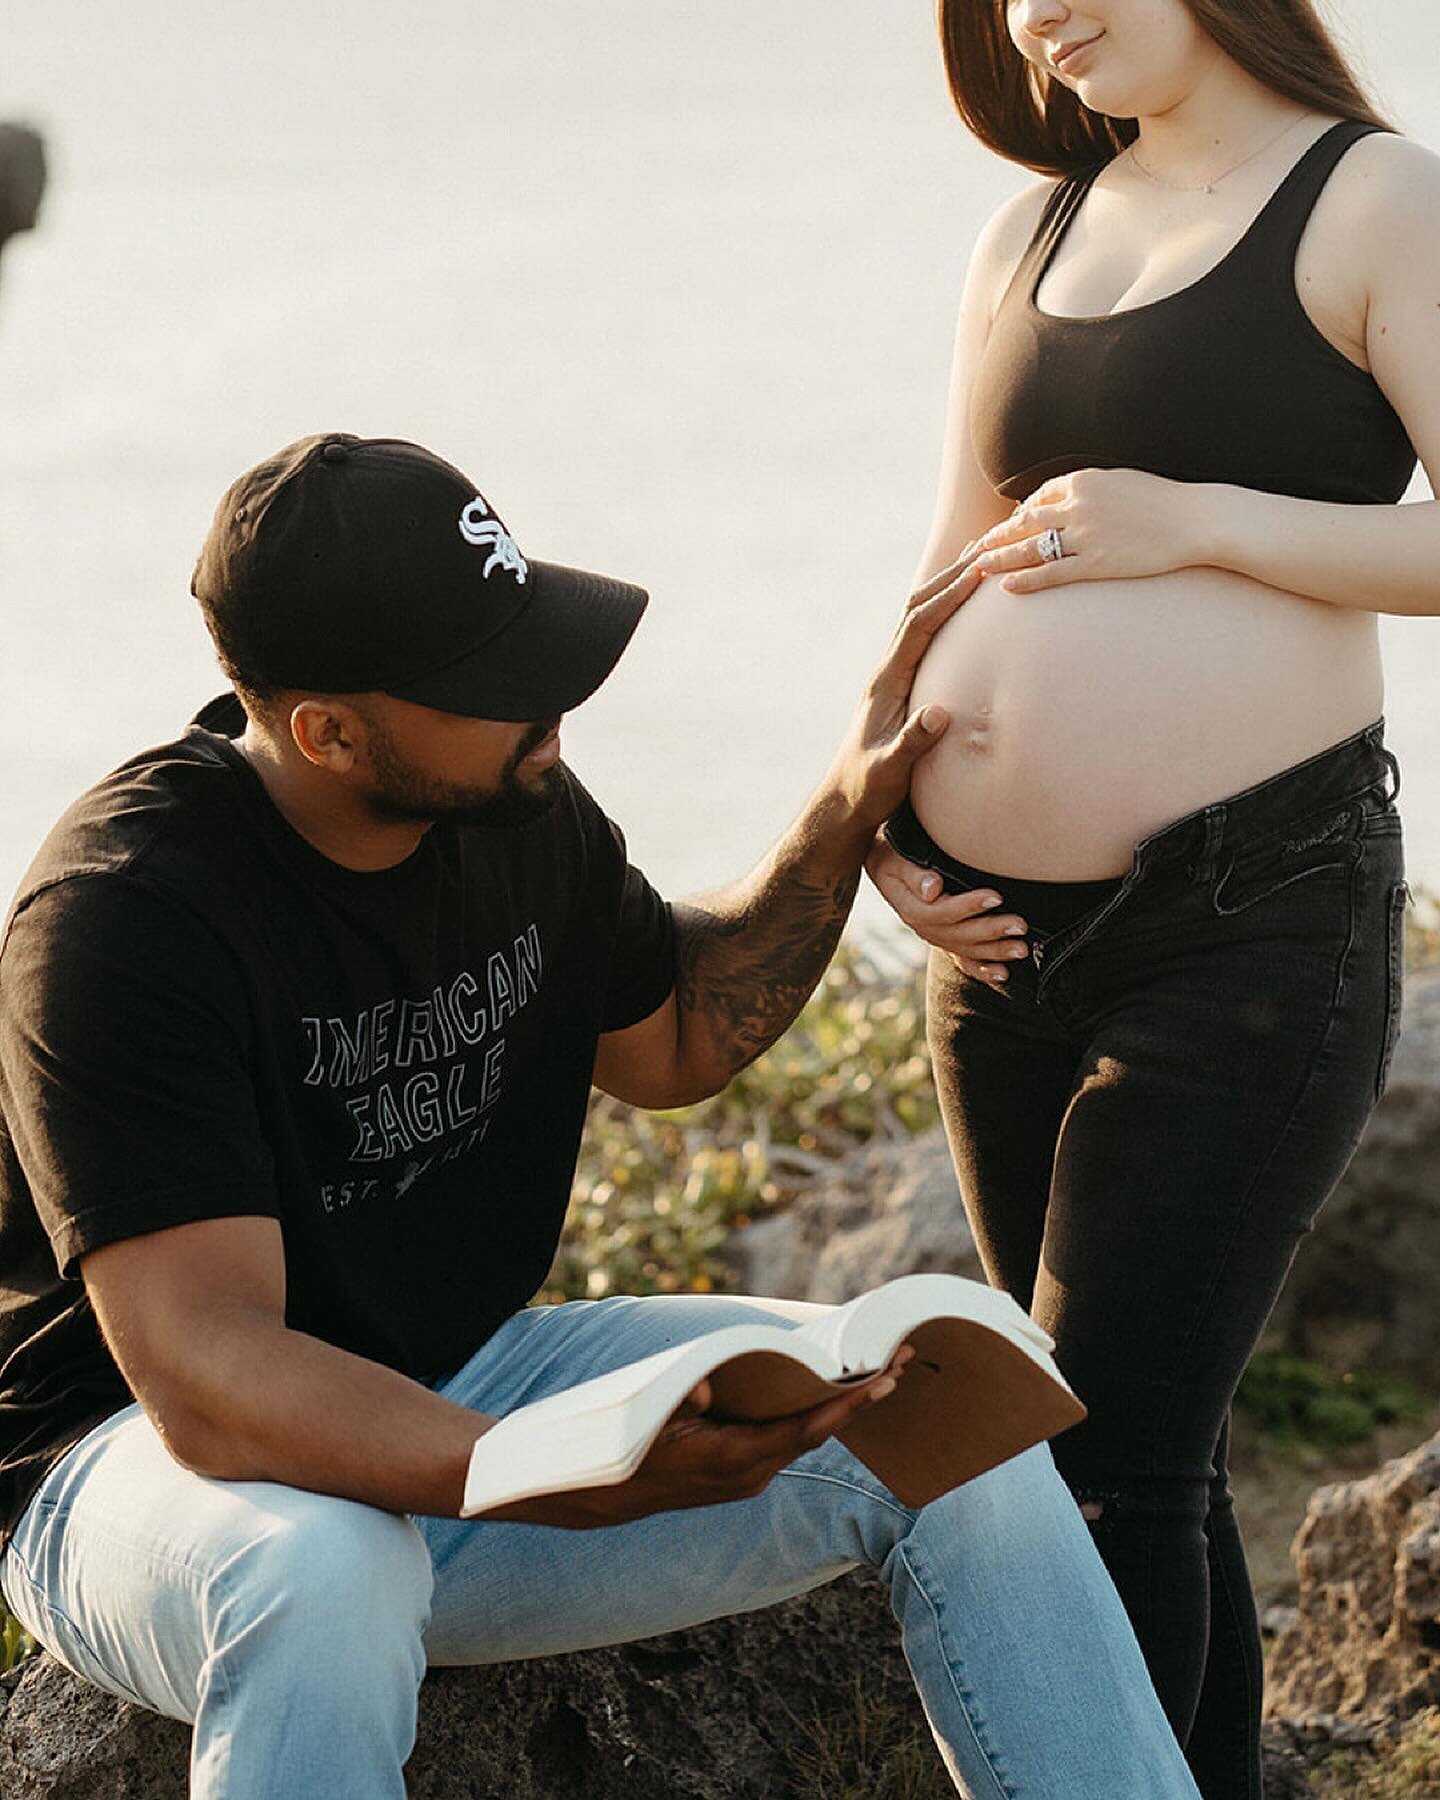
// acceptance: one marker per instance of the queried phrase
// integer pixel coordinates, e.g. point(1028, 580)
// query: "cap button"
point(336, 453)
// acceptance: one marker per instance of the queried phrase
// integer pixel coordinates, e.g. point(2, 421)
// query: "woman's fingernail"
point(929, 887)
point(988, 900)
point(882, 1388)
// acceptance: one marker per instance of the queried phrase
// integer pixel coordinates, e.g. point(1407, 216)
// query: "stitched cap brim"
point(548, 659)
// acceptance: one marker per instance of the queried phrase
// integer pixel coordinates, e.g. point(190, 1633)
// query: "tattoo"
point(748, 959)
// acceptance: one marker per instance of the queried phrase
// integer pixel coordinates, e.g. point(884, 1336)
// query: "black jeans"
point(1144, 1123)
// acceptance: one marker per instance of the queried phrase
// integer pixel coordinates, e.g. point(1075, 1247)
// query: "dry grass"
point(871, 1751)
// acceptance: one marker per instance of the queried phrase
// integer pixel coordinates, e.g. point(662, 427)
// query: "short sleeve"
point(124, 1078)
point(642, 965)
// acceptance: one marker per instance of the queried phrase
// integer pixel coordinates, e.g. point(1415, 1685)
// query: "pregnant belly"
point(1088, 716)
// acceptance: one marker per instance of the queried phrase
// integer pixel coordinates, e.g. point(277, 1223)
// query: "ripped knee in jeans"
point(1094, 1502)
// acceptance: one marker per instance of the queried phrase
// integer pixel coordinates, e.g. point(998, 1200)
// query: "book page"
point(863, 1334)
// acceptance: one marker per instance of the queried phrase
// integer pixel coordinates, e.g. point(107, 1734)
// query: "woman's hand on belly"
point(1112, 524)
point(966, 926)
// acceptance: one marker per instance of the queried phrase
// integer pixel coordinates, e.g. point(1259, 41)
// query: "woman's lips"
point(1066, 57)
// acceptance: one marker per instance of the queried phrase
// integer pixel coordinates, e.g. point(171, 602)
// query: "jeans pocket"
point(1330, 846)
point(1395, 986)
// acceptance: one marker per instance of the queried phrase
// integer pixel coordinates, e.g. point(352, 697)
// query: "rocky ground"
point(1273, 1486)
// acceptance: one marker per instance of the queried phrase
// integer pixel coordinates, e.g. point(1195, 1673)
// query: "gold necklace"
point(1208, 187)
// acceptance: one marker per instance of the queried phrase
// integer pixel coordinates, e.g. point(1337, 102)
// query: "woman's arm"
point(966, 505)
point(967, 925)
point(1116, 523)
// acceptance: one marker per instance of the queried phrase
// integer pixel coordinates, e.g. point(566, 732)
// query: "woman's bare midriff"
point(1086, 717)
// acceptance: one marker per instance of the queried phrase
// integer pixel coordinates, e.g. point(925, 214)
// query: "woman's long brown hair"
point(1020, 112)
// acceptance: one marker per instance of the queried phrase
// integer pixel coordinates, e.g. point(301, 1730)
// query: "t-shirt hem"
point(638, 1010)
point(96, 1226)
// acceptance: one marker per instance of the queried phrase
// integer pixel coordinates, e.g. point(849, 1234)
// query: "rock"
point(1365, 1644)
point(1291, 1749)
point(887, 1209)
point(1363, 1288)
point(805, 1699)
point(754, 1706)
point(22, 178)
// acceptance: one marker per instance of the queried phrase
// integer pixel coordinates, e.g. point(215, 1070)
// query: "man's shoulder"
point(158, 817)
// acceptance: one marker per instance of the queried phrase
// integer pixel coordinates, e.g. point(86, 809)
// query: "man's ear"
point(327, 733)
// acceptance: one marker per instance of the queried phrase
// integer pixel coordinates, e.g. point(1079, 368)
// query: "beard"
point(402, 793)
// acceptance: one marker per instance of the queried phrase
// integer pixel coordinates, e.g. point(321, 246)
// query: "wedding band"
point(1049, 546)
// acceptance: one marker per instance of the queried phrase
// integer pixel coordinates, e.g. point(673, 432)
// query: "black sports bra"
point(1227, 380)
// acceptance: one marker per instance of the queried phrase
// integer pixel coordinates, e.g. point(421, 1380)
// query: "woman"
point(1191, 376)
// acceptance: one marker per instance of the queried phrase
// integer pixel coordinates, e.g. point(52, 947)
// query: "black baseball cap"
point(357, 565)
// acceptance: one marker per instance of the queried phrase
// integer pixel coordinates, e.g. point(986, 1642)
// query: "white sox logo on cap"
point(478, 527)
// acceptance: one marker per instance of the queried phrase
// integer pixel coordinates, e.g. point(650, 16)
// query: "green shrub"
point(656, 1194)
point(15, 1642)
point(1296, 1402)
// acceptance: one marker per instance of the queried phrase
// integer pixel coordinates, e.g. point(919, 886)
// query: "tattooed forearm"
point(749, 958)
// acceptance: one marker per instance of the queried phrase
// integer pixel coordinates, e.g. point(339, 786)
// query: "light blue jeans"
point(294, 1629)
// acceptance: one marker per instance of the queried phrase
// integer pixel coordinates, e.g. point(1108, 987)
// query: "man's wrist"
point(841, 830)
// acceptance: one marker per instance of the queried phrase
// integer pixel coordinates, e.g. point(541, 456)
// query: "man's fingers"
point(943, 578)
point(824, 1421)
point(920, 732)
point(789, 1437)
point(922, 620)
point(696, 1402)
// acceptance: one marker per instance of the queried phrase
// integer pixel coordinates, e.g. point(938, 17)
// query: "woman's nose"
point(1036, 16)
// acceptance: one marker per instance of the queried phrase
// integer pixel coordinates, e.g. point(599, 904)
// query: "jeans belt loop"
point(1392, 763)
point(1210, 849)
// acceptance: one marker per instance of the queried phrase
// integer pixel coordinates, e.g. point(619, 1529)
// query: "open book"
point(980, 1388)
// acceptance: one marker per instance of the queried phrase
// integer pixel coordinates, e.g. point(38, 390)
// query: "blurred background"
point(675, 284)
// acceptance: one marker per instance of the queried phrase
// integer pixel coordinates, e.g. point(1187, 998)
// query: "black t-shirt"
point(203, 1017)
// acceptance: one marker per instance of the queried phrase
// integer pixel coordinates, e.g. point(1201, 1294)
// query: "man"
point(298, 1018)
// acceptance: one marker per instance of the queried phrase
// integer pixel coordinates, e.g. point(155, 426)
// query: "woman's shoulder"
point(1384, 176)
point(1379, 207)
point(1007, 233)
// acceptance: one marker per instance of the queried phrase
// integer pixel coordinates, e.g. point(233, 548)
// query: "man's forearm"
point(272, 1404)
point(748, 956)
